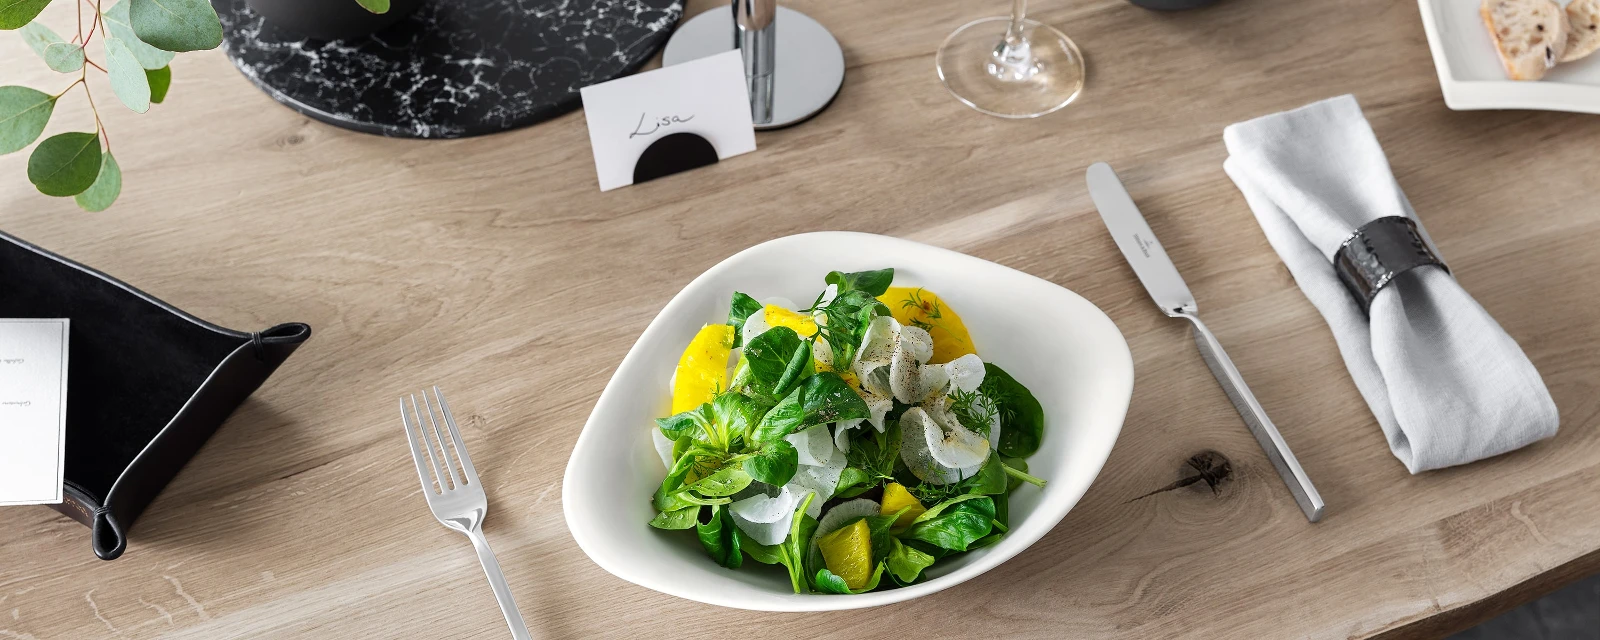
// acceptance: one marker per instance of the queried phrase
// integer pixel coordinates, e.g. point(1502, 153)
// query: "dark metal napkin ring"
point(1371, 257)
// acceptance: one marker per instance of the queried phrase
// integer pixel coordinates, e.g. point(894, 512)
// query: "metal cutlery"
point(454, 494)
point(1160, 277)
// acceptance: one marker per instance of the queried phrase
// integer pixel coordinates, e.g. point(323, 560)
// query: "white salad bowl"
point(1064, 349)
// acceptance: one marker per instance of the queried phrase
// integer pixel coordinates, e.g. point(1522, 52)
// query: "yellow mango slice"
point(895, 498)
point(922, 308)
point(777, 316)
point(847, 552)
point(703, 368)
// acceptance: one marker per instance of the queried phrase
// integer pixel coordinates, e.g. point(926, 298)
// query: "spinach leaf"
point(691, 423)
point(684, 518)
point(957, 526)
point(905, 564)
point(852, 482)
point(775, 360)
point(820, 399)
point(775, 463)
point(689, 497)
point(668, 496)
point(827, 582)
point(1021, 417)
point(719, 540)
point(991, 479)
point(874, 283)
point(1018, 464)
point(725, 481)
point(733, 415)
point(879, 526)
point(794, 546)
point(986, 540)
point(761, 553)
point(738, 311)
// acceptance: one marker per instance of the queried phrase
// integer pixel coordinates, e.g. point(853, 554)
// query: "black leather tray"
point(147, 384)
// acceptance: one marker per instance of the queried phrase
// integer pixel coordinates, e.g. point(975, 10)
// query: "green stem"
point(1023, 476)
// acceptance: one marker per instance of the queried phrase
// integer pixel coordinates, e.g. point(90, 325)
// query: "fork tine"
point(455, 477)
point(422, 432)
point(416, 453)
point(455, 436)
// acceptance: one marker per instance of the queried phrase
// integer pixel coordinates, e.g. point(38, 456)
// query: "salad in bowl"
point(852, 441)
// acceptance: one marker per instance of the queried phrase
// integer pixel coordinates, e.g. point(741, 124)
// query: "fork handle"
point(497, 580)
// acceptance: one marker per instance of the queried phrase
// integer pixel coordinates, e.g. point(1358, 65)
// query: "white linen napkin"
point(1447, 385)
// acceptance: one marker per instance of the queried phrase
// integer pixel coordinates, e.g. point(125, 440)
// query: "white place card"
point(33, 410)
point(705, 97)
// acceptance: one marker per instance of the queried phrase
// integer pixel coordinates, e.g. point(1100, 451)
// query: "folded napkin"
point(1447, 385)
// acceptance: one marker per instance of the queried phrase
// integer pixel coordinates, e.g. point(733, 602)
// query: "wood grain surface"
point(495, 268)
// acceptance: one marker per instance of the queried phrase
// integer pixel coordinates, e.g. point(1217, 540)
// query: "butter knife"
point(1149, 261)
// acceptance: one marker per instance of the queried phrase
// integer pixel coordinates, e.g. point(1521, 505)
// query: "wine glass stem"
point(1012, 60)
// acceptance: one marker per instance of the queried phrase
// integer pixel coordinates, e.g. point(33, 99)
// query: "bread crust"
point(1583, 29)
point(1529, 35)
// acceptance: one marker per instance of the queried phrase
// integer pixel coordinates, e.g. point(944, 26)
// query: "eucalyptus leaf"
point(1021, 416)
point(128, 80)
point(56, 53)
point(775, 464)
point(15, 14)
point(65, 164)
point(375, 6)
point(685, 518)
point(107, 186)
point(175, 25)
point(63, 57)
point(23, 115)
point(119, 26)
point(874, 283)
point(160, 81)
point(740, 310)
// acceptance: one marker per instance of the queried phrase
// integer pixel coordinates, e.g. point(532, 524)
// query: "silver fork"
point(458, 500)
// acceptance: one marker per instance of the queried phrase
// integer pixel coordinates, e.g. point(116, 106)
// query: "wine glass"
point(1011, 67)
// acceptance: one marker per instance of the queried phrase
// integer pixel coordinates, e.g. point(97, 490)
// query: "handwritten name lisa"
point(656, 124)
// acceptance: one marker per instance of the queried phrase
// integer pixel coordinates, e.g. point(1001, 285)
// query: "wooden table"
point(494, 267)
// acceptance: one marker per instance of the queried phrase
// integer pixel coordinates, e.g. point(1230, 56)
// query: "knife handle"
point(1305, 494)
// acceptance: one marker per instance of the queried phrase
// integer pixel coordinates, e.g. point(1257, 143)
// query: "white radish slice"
point(821, 480)
point(914, 424)
point(814, 444)
point(663, 446)
point(953, 445)
point(917, 342)
point(876, 348)
point(841, 434)
point(966, 372)
point(935, 381)
point(878, 406)
point(754, 325)
point(766, 519)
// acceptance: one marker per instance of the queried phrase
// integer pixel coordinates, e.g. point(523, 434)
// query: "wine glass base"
point(968, 68)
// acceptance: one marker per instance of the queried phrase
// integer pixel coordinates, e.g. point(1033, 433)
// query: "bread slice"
point(1583, 30)
point(1529, 35)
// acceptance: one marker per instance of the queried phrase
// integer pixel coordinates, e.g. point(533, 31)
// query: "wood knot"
point(1209, 467)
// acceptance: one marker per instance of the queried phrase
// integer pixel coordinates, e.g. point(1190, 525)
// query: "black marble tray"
point(455, 68)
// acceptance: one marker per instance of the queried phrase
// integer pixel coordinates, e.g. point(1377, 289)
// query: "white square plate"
point(1061, 346)
point(1471, 76)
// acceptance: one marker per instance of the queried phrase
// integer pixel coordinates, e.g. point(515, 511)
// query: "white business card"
point(33, 410)
point(705, 98)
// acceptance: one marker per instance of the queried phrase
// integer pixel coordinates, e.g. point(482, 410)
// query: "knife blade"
point(1161, 279)
point(1138, 244)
